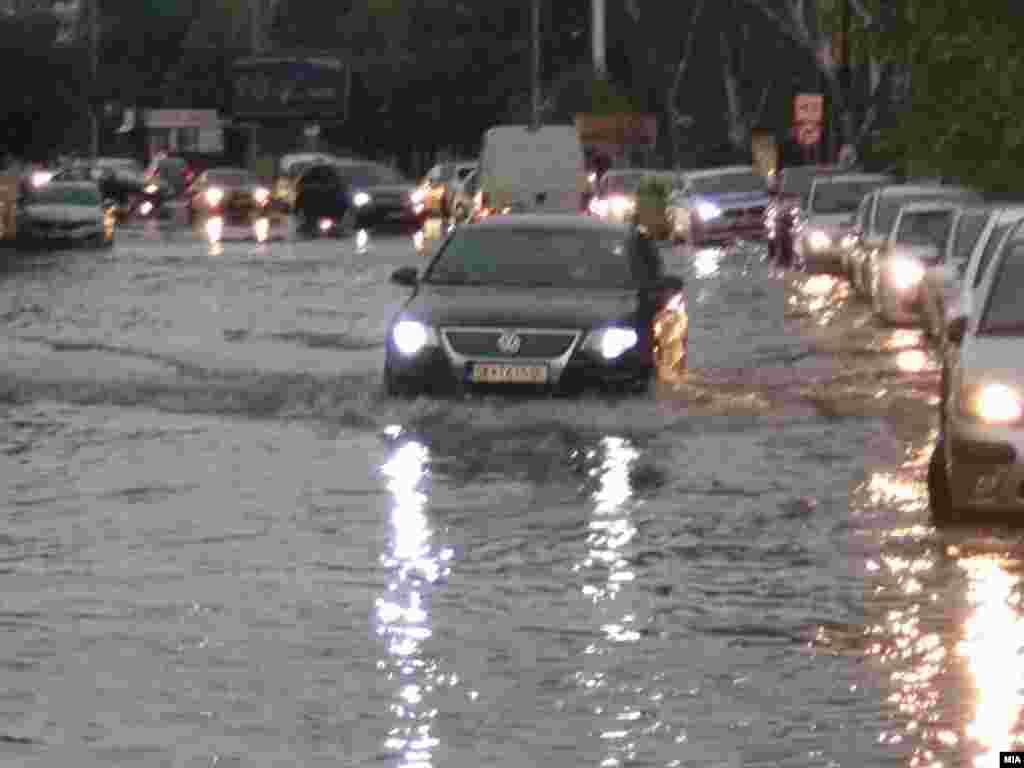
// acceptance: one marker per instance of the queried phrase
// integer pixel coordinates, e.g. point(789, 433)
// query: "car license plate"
point(504, 373)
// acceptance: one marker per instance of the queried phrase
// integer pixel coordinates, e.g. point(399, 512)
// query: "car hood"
point(992, 359)
point(734, 199)
point(832, 222)
point(63, 213)
point(519, 307)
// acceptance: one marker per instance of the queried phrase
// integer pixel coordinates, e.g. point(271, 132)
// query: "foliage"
point(608, 99)
point(655, 188)
point(964, 116)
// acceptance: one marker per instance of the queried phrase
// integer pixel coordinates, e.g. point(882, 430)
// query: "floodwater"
point(224, 547)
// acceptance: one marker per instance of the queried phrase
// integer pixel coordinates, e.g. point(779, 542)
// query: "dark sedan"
point(234, 195)
point(339, 196)
point(537, 303)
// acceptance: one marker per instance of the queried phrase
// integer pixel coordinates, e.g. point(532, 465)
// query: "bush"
point(651, 203)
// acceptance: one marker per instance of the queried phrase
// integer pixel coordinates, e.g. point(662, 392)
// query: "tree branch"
point(684, 61)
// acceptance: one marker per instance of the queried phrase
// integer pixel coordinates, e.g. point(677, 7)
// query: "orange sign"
point(808, 108)
point(628, 128)
point(808, 134)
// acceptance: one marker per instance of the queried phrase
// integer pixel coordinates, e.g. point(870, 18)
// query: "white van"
point(528, 170)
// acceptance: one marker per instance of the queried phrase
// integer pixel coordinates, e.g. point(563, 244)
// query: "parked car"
point(942, 282)
point(235, 195)
point(338, 197)
point(788, 195)
point(289, 169)
point(66, 212)
point(876, 218)
point(120, 179)
point(719, 206)
point(978, 462)
point(546, 302)
point(826, 225)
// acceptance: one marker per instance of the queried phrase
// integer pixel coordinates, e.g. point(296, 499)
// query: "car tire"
point(397, 387)
point(940, 498)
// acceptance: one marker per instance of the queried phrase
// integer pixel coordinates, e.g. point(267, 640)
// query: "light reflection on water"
point(402, 619)
point(611, 529)
point(706, 260)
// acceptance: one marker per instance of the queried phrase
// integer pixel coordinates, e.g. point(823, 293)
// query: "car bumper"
point(985, 466)
point(710, 232)
point(59, 233)
point(435, 371)
point(372, 215)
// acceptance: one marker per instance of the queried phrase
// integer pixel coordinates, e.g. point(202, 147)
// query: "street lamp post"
point(535, 68)
point(597, 32)
point(94, 70)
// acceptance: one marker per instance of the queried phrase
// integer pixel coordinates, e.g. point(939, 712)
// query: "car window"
point(968, 229)
point(728, 183)
point(990, 248)
point(531, 257)
point(889, 205)
point(862, 213)
point(1004, 313)
point(925, 227)
point(56, 194)
point(839, 196)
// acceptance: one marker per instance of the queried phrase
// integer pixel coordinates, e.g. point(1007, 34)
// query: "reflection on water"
point(903, 339)
point(912, 360)
point(611, 529)
point(993, 643)
point(706, 260)
point(821, 295)
point(362, 241)
point(402, 618)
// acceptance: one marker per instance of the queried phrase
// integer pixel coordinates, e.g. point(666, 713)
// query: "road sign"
point(808, 134)
point(808, 108)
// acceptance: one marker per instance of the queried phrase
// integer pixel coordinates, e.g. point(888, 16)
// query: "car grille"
point(482, 343)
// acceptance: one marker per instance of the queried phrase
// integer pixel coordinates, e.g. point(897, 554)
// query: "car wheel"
point(395, 386)
point(940, 498)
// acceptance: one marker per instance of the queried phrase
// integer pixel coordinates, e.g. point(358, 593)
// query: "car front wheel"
point(940, 498)
point(401, 387)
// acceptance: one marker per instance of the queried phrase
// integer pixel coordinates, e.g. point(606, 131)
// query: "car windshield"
point(728, 183)
point(370, 176)
point(991, 246)
point(798, 180)
point(1004, 312)
point(840, 196)
point(889, 206)
point(623, 183)
point(968, 229)
point(535, 257)
point(465, 170)
point(925, 228)
point(58, 194)
point(231, 179)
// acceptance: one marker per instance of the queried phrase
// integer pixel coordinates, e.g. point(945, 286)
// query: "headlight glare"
point(818, 240)
point(997, 404)
point(708, 211)
point(612, 342)
point(261, 195)
point(151, 189)
point(214, 195)
point(359, 199)
point(411, 336)
point(906, 273)
point(621, 205)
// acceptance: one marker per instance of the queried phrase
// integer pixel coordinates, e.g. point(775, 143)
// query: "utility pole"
point(94, 71)
point(255, 24)
point(535, 78)
point(597, 32)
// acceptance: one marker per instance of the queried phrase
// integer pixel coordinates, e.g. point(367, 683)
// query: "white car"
point(66, 212)
point(978, 462)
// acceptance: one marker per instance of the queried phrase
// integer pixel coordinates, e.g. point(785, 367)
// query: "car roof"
point(727, 169)
point(909, 190)
point(921, 206)
point(552, 221)
point(72, 185)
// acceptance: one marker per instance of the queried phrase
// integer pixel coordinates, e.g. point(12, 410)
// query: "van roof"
point(551, 221)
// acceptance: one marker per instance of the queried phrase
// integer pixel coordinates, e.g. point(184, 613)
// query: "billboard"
point(303, 87)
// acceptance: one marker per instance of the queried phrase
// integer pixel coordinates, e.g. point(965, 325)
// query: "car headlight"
point(418, 197)
point(359, 199)
point(621, 205)
point(819, 241)
point(599, 207)
point(995, 404)
point(411, 336)
point(708, 211)
point(612, 342)
point(261, 195)
point(848, 242)
point(906, 273)
point(41, 178)
point(214, 195)
point(151, 189)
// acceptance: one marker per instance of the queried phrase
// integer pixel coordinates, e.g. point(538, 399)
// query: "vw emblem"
point(509, 343)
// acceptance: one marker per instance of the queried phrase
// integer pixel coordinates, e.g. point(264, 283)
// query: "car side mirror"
point(407, 276)
point(956, 329)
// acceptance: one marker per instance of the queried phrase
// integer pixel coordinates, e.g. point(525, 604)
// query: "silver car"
point(918, 237)
point(882, 208)
point(978, 461)
point(827, 224)
point(976, 233)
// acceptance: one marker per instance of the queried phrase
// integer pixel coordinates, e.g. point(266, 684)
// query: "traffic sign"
point(808, 108)
point(808, 134)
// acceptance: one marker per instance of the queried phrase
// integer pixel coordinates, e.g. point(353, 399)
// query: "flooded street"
point(223, 546)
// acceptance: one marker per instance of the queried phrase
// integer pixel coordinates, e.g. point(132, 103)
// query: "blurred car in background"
point(289, 169)
point(615, 194)
point(66, 212)
point(338, 197)
point(120, 179)
point(235, 196)
point(826, 223)
point(977, 466)
point(719, 206)
point(788, 191)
